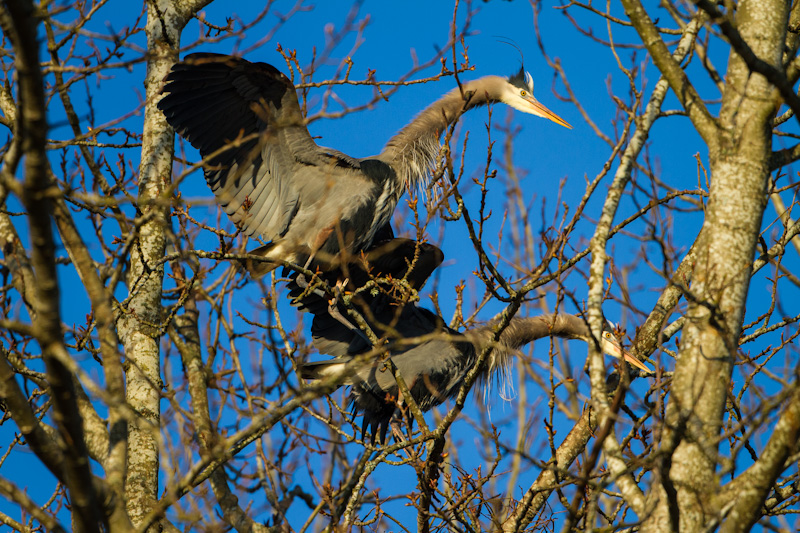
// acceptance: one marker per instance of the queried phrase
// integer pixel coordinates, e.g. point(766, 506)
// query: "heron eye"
point(523, 93)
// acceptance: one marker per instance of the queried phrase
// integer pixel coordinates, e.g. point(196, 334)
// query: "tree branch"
point(19, 23)
point(14, 494)
point(750, 489)
point(671, 70)
point(756, 64)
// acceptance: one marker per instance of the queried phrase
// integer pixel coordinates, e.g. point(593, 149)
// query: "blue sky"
point(544, 153)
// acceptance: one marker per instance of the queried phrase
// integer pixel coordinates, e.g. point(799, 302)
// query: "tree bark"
point(739, 161)
point(141, 326)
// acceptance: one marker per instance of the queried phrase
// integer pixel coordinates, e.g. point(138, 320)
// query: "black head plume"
point(522, 80)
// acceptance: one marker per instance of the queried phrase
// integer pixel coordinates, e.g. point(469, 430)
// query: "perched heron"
point(432, 358)
point(273, 180)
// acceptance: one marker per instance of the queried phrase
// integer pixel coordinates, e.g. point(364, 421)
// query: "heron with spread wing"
point(278, 185)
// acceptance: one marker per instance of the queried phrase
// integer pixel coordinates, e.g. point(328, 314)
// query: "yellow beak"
point(541, 111)
point(615, 349)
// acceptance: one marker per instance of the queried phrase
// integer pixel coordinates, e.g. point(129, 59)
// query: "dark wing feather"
point(216, 102)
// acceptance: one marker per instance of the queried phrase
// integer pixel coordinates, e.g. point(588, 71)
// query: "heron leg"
point(308, 262)
point(397, 430)
point(333, 310)
point(401, 414)
point(300, 278)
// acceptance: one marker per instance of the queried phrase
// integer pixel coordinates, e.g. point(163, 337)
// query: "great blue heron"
point(273, 180)
point(432, 358)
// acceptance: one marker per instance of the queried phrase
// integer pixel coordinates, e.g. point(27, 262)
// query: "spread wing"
point(246, 122)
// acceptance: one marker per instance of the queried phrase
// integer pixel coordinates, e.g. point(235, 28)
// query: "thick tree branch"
point(750, 489)
point(631, 492)
point(671, 70)
point(689, 444)
point(12, 493)
point(547, 480)
point(47, 449)
point(20, 24)
point(210, 442)
point(781, 158)
point(101, 299)
point(140, 328)
point(774, 75)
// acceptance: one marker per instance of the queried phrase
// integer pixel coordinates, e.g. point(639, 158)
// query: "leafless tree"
point(148, 384)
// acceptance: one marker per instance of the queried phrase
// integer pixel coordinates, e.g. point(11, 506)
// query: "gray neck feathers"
point(414, 151)
point(522, 331)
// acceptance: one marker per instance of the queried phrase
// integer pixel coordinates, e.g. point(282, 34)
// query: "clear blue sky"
point(545, 152)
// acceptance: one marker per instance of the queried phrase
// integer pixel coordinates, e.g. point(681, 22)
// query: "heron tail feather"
point(257, 268)
point(321, 369)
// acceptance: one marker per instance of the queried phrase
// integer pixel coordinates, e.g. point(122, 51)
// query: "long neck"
point(521, 331)
point(413, 150)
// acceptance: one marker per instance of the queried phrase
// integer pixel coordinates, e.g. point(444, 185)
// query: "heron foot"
point(301, 281)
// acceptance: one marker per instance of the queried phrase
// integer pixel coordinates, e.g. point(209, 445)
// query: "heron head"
point(519, 95)
point(611, 345)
